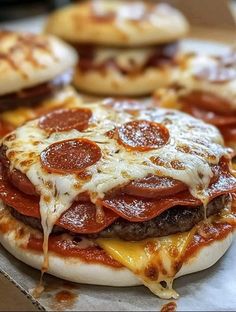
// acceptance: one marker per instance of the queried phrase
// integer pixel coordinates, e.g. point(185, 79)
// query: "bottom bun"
point(114, 83)
point(76, 270)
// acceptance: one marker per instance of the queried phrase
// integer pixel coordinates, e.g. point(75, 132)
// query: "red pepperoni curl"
point(82, 218)
point(143, 135)
point(70, 156)
point(153, 186)
point(20, 181)
point(142, 209)
point(66, 119)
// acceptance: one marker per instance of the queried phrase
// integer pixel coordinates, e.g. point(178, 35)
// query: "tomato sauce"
point(70, 248)
point(63, 300)
point(169, 307)
point(219, 231)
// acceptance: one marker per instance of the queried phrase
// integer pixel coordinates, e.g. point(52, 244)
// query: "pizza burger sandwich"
point(126, 48)
point(205, 87)
point(101, 196)
point(34, 69)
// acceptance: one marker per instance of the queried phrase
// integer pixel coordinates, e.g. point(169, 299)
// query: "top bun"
point(118, 23)
point(27, 60)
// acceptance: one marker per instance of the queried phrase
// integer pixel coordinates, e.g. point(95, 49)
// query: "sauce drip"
point(169, 307)
point(64, 300)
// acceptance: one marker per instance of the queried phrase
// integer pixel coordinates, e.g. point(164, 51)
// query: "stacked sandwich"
point(117, 192)
point(205, 87)
point(102, 196)
point(125, 47)
point(35, 71)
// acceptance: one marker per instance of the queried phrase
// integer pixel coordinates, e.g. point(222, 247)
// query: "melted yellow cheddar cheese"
point(65, 98)
point(155, 261)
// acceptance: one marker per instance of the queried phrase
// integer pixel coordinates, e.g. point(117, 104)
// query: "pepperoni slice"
point(154, 186)
point(81, 218)
point(20, 181)
point(141, 209)
point(66, 119)
point(143, 135)
point(210, 117)
point(70, 156)
point(208, 102)
point(25, 204)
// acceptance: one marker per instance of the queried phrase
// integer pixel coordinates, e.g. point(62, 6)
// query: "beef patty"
point(174, 220)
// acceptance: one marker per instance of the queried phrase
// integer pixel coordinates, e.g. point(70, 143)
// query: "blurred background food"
point(197, 11)
point(217, 15)
point(125, 48)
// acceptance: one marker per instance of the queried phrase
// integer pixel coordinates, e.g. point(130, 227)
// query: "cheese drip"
point(118, 165)
point(155, 261)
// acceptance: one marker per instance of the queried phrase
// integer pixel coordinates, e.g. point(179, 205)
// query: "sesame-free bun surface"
point(28, 60)
point(113, 83)
point(76, 270)
point(118, 23)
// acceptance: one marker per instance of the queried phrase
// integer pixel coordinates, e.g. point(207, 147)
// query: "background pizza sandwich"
point(125, 47)
point(33, 69)
point(100, 196)
point(204, 86)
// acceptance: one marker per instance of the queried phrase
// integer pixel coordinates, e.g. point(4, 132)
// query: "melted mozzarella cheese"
point(125, 58)
point(184, 76)
point(118, 165)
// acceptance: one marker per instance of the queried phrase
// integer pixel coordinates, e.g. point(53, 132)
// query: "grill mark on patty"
point(174, 220)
